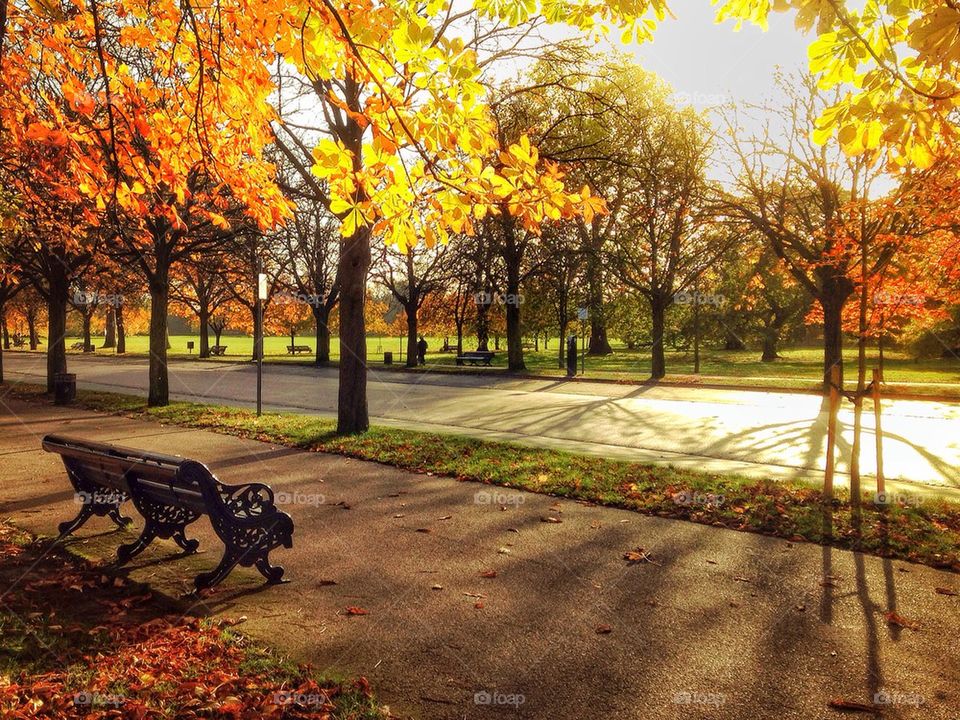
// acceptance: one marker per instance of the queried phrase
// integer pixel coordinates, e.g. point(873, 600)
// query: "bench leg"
point(131, 550)
point(120, 520)
point(69, 526)
point(189, 546)
point(215, 576)
point(273, 573)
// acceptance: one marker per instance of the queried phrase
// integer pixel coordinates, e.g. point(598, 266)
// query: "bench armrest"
point(250, 501)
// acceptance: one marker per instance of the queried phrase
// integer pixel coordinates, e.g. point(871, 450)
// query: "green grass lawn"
point(799, 367)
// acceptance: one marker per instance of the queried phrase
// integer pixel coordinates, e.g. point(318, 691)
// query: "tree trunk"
point(56, 326)
point(32, 327)
point(159, 393)
point(413, 354)
point(514, 329)
point(658, 362)
point(121, 332)
point(204, 316)
point(110, 329)
point(483, 326)
point(321, 320)
point(459, 338)
point(87, 317)
point(598, 344)
point(832, 303)
point(770, 337)
point(352, 415)
point(6, 331)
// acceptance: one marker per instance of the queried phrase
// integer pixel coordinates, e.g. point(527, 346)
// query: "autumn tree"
point(199, 284)
point(312, 241)
point(412, 276)
point(803, 198)
point(664, 242)
point(287, 315)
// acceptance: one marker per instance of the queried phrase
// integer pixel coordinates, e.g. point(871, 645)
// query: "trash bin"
point(388, 358)
point(64, 388)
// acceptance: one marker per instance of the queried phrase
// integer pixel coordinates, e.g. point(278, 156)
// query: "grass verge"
point(77, 643)
point(926, 530)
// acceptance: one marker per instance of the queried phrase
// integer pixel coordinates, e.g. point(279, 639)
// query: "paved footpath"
point(721, 625)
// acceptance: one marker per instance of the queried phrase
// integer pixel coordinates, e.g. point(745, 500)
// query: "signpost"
point(258, 341)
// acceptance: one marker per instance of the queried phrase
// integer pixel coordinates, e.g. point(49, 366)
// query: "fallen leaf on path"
point(851, 706)
point(325, 583)
point(711, 562)
point(740, 578)
point(436, 587)
point(604, 629)
point(488, 573)
point(445, 517)
point(423, 530)
point(354, 610)
point(638, 556)
point(900, 621)
point(478, 605)
point(550, 519)
point(399, 515)
point(944, 591)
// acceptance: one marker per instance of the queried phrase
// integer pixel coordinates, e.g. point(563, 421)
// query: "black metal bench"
point(476, 357)
point(295, 349)
point(170, 492)
point(81, 346)
point(218, 349)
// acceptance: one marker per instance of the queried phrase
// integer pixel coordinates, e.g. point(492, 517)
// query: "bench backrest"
point(157, 475)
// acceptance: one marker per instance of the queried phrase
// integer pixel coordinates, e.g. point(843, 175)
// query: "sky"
point(710, 63)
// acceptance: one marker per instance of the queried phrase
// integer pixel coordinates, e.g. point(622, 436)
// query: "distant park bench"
point(527, 345)
point(80, 346)
point(218, 349)
point(296, 349)
point(19, 340)
point(476, 357)
point(171, 492)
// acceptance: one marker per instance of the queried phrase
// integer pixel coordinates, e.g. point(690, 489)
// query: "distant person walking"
point(422, 351)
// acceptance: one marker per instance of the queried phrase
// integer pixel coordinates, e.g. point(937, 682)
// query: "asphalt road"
point(720, 624)
point(753, 432)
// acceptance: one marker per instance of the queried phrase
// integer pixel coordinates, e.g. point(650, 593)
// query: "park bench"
point(79, 346)
point(476, 357)
point(295, 349)
point(218, 349)
point(170, 492)
point(18, 341)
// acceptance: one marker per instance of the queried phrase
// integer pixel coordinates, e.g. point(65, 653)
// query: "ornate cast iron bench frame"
point(170, 493)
